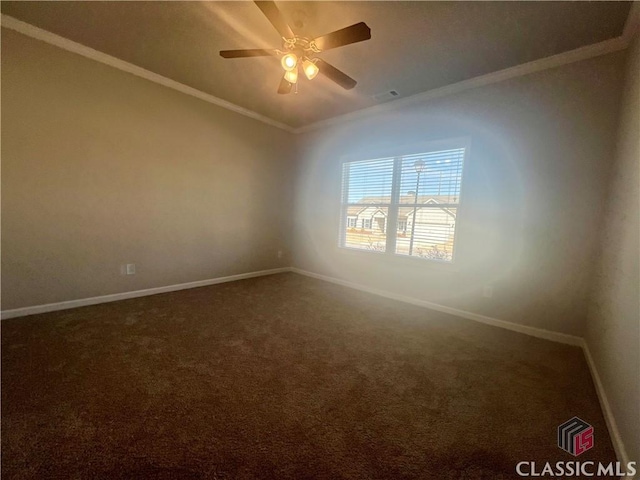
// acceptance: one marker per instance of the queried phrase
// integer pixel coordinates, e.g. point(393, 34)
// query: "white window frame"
point(397, 154)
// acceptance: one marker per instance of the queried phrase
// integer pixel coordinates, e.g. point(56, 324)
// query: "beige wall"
point(101, 168)
point(534, 186)
point(613, 326)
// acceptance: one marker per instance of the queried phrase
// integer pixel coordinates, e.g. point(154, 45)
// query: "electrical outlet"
point(487, 291)
point(280, 253)
point(131, 269)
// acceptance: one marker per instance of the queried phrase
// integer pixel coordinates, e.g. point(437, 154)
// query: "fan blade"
point(285, 87)
point(275, 17)
point(256, 52)
point(332, 73)
point(353, 34)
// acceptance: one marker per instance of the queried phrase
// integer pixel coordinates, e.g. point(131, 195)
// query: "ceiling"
point(415, 46)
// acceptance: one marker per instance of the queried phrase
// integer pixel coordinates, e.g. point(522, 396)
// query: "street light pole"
point(419, 166)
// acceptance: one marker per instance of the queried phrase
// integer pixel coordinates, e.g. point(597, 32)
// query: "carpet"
point(283, 377)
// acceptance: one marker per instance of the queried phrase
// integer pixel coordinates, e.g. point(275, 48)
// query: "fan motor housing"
point(300, 46)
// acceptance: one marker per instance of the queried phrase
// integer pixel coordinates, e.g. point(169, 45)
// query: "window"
point(351, 222)
point(409, 204)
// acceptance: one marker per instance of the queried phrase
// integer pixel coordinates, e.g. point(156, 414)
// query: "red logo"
point(575, 436)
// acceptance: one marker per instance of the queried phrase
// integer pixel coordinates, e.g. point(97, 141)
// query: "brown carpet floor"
point(282, 377)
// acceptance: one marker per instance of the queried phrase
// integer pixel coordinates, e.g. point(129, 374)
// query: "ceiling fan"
point(300, 52)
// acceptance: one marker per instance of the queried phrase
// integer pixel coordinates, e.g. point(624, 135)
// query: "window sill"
point(397, 259)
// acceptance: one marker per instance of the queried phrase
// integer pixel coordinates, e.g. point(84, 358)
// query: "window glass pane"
point(426, 203)
point(368, 181)
point(429, 195)
point(366, 190)
point(369, 231)
point(434, 175)
point(432, 232)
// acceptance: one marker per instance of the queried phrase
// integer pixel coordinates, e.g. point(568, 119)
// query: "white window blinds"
point(405, 205)
point(366, 194)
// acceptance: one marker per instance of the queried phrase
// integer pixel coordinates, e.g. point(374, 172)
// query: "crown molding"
point(583, 53)
point(74, 47)
point(564, 58)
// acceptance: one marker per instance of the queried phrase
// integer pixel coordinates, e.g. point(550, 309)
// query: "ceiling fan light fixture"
point(296, 50)
point(289, 61)
point(291, 76)
point(310, 69)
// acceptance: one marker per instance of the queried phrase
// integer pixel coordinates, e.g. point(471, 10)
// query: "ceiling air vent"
point(384, 96)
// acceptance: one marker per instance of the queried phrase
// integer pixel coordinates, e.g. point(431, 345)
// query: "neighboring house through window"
point(416, 197)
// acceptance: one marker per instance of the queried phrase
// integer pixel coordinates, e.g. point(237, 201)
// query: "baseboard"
point(527, 330)
point(614, 433)
point(532, 331)
point(52, 307)
point(612, 426)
